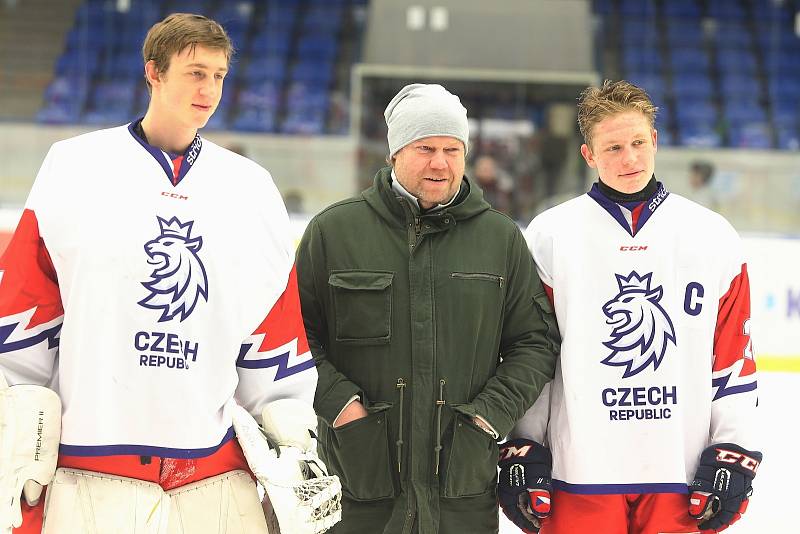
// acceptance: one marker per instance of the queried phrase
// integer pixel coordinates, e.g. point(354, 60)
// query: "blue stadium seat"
point(699, 135)
point(255, 120)
point(639, 32)
point(735, 84)
point(644, 59)
point(652, 82)
point(693, 111)
point(271, 67)
point(736, 60)
point(602, 7)
point(271, 42)
point(682, 8)
point(786, 110)
point(313, 72)
point(685, 59)
point(726, 10)
point(751, 135)
point(665, 137)
point(684, 32)
point(692, 84)
point(306, 121)
point(64, 99)
point(733, 35)
point(323, 19)
point(316, 46)
point(76, 63)
point(742, 111)
point(281, 17)
point(637, 8)
point(788, 137)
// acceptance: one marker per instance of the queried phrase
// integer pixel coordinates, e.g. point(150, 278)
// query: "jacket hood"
point(389, 205)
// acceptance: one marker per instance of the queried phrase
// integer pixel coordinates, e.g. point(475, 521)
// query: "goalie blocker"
point(305, 499)
point(30, 431)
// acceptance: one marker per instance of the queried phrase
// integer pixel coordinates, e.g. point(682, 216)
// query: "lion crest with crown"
point(178, 280)
point(642, 330)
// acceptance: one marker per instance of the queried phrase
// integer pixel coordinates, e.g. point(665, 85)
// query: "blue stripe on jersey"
point(618, 489)
point(143, 450)
point(189, 157)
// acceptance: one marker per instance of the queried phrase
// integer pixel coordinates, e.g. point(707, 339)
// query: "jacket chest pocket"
point(362, 303)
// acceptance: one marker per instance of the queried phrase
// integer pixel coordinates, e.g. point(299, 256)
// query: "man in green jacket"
point(430, 328)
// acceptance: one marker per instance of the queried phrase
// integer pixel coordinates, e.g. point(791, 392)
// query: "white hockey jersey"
point(151, 295)
point(653, 305)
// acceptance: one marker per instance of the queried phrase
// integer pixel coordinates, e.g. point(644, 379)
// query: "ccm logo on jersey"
point(632, 248)
point(731, 457)
point(174, 195)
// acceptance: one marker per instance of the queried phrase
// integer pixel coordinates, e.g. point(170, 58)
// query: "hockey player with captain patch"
point(647, 426)
point(149, 315)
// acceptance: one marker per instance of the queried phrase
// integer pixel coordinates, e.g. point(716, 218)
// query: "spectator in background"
point(294, 202)
point(496, 185)
point(701, 175)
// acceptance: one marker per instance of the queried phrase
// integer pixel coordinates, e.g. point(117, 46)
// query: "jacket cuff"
point(351, 401)
point(500, 420)
point(336, 400)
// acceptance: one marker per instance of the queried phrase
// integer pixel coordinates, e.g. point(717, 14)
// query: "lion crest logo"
point(642, 330)
point(178, 280)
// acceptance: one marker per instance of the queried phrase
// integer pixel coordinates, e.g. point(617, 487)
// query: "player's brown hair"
point(179, 31)
point(598, 103)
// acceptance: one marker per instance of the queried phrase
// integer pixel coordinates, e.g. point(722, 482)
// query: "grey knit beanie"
point(421, 110)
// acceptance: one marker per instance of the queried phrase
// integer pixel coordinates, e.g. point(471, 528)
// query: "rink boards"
point(775, 292)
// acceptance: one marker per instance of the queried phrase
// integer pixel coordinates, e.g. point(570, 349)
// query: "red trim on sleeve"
point(284, 321)
point(29, 279)
point(732, 334)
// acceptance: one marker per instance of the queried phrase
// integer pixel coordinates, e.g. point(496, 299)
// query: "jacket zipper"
point(401, 385)
point(480, 276)
point(417, 231)
point(439, 405)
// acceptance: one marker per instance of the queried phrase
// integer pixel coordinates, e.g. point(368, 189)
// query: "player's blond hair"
point(612, 98)
point(179, 31)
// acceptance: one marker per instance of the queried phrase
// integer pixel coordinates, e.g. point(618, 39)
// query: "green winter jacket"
point(431, 320)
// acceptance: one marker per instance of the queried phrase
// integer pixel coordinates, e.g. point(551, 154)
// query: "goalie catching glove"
point(30, 430)
point(722, 486)
point(524, 484)
point(305, 498)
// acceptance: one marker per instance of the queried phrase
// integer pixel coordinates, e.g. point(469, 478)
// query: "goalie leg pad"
point(96, 503)
point(224, 504)
point(30, 431)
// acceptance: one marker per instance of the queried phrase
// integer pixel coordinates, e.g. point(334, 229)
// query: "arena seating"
point(723, 72)
point(284, 74)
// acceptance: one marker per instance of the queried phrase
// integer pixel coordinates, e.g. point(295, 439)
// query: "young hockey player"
point(150, 288)
point(649, 417)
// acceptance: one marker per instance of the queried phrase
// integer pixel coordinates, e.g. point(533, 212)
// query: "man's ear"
point(151, 73)
point(586, 152)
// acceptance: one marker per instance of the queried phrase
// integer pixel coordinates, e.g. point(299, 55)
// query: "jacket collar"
point(394, 207)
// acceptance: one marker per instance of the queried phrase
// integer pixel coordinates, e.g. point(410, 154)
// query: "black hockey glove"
point(524, 483)
point(720, 490)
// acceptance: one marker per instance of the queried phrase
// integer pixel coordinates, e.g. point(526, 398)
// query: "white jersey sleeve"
point(533, 425)
point(31, 312)
point(733, 368)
